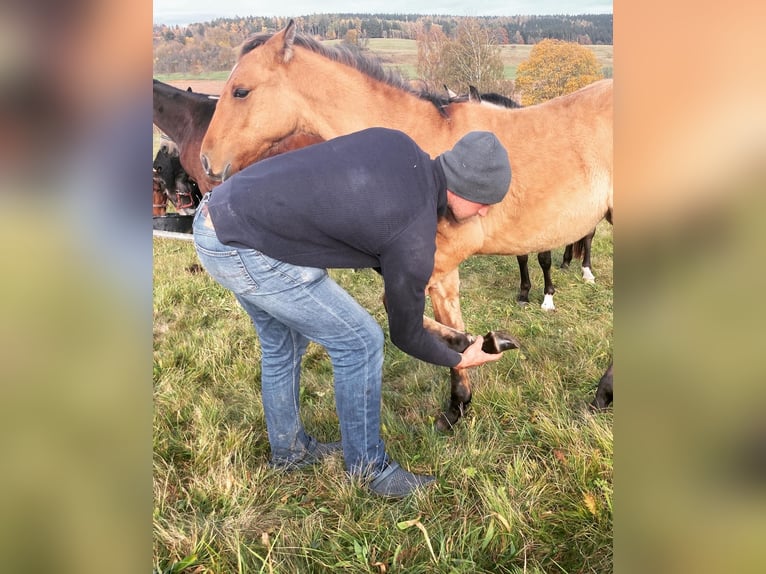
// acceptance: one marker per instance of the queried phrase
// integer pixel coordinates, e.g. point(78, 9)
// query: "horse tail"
point(578, 248)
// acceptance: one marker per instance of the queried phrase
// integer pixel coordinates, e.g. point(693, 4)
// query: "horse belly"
point(555, 220)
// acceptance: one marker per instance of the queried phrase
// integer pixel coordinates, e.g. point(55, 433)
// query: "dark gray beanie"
point(477, 168)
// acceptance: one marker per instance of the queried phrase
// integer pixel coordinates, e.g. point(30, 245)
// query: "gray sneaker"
point(316, 452)
point(395, 482)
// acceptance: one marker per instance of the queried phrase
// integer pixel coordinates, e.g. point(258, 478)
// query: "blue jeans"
point(290, 306)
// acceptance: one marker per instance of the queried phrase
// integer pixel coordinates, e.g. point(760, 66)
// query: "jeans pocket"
point(285, 273)
point(227, 268)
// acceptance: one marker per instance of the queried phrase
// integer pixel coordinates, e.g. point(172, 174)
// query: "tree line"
point(211, 46)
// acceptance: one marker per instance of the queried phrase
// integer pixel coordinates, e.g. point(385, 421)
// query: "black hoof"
point(443, 424)
point(564, 266)
point(497, 341)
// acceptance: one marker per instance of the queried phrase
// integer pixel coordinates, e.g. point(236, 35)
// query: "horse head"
point(170, 175)
point(252, 90)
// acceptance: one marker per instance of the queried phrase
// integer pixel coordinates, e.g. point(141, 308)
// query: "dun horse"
point(579, 250)
point(184, 113)
point(560, 151)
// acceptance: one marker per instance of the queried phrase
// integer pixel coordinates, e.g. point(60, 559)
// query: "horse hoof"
point(442, 423)
point(496, 342)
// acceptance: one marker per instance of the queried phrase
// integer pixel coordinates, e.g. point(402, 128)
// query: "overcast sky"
point(190, 11)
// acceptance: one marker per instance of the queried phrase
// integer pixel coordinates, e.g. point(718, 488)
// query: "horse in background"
point(581, 249)
point(159, 196)
point(182, 190)
point(561, 151)
point(183, 116)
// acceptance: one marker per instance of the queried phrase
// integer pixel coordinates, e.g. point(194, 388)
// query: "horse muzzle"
point(218, 177)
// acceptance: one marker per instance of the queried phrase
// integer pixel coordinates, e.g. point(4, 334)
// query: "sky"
point(191, 11)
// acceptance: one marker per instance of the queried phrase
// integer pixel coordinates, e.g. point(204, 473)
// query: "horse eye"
point(241, 92)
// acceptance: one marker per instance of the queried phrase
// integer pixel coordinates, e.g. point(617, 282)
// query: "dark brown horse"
point(183, 116)
point(561, 151)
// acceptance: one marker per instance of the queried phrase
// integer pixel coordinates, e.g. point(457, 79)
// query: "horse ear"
point(473, 94)
point(287, 47)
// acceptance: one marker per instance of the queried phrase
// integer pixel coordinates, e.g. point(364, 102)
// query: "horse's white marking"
point(548, 303)
point(587, 275)
point(214, 97)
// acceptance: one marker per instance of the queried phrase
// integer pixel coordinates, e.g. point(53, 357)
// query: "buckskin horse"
point(581, 249)
point(285, 84)
point(185, 115)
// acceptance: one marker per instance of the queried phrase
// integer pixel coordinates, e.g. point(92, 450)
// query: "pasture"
point(399, 54)
point(524, 482)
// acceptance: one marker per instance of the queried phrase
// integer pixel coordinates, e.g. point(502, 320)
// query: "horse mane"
point(500, 100)
point(368, 65)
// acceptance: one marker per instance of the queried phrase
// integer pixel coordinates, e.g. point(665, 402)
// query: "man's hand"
point(473, 356)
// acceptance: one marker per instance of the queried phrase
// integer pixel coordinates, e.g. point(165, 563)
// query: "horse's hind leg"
point(567, 258)
point(524, 282)
point(544, 259)
point(587, 241)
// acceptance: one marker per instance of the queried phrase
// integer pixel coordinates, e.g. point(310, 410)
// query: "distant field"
point(403, 55)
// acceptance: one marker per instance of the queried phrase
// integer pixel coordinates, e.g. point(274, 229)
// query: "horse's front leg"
point(495, 342)
point(445, 300)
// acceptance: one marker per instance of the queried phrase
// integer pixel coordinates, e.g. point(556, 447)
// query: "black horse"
point(182, 191)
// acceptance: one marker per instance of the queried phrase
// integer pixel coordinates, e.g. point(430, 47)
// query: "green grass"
point(218, 76)
point(524, 481)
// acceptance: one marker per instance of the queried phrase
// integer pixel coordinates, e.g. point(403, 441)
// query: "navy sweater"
point(368, 199)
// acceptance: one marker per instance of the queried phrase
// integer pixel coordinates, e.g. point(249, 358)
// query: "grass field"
point(524, 481)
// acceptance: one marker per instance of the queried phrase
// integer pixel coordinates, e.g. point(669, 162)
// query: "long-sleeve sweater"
point(368, 199)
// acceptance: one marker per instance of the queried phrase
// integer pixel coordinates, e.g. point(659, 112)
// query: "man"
point(368, 199)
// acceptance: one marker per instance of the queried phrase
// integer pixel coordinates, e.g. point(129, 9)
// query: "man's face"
point(463, 209)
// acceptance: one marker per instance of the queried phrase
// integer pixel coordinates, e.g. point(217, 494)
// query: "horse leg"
point(495, 342)
point(446, 306)
point(605, 391)
point(567, 258)
point(587, 275)
point(544, 259)
point(525, 283)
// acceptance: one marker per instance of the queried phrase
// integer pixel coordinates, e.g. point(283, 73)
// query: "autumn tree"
point(430, 41)
point(473, 58)
point(555, 68)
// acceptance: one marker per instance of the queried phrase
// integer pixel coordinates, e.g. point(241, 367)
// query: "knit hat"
point(477, 168)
